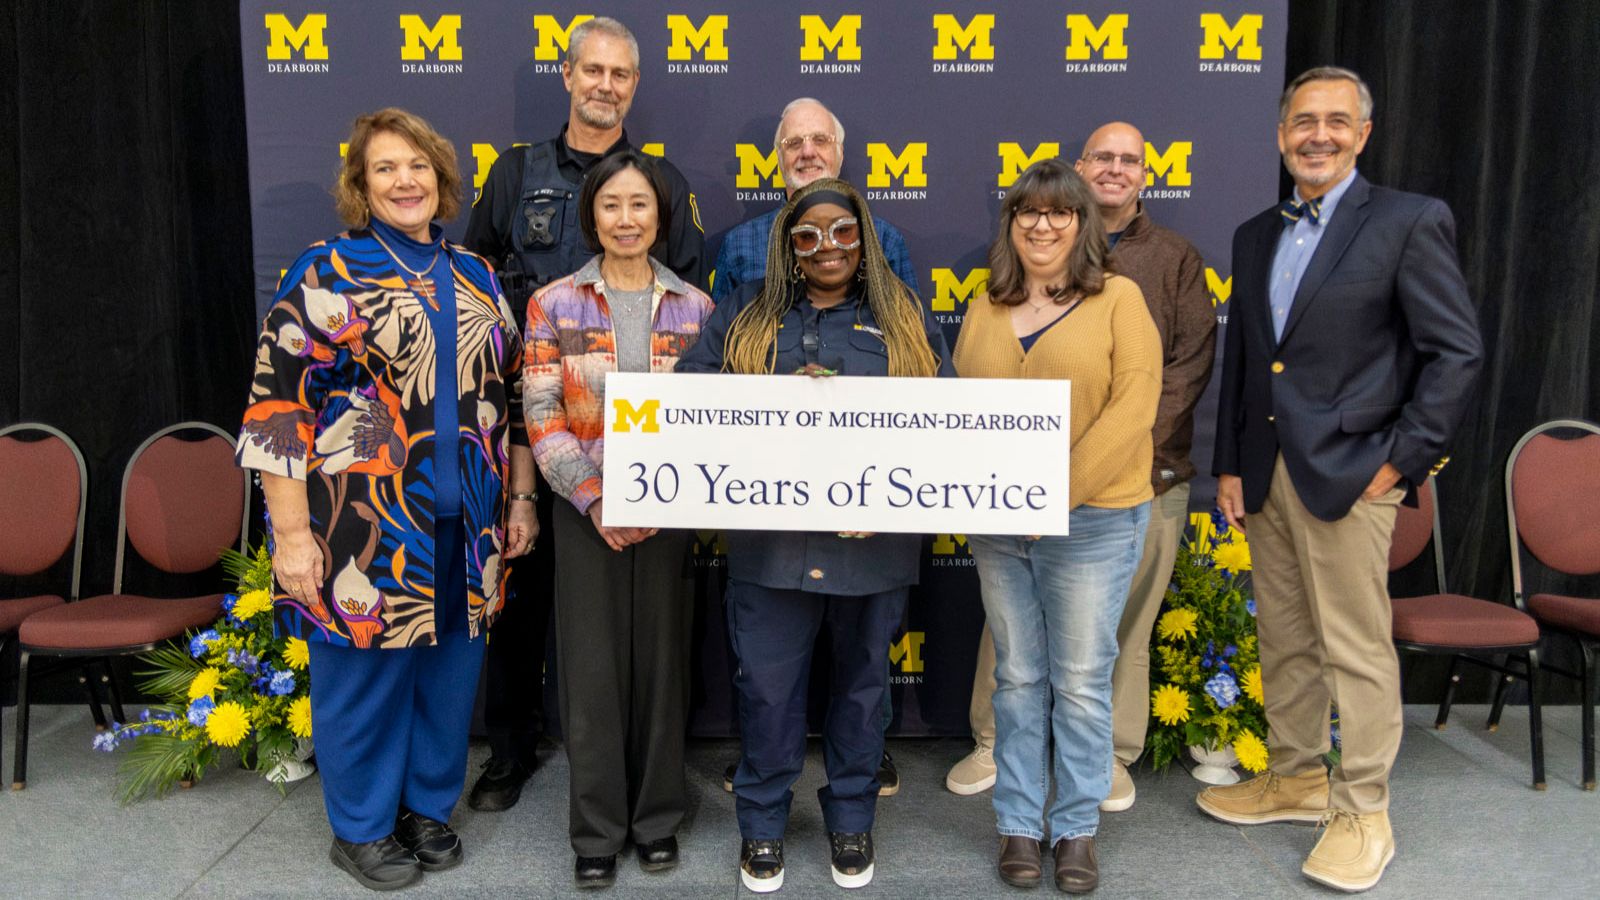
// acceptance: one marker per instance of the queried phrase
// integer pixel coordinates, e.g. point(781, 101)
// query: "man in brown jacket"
point(1170, 273)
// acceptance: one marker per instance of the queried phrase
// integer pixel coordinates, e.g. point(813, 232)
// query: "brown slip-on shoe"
point(1019, 861)
point(1077, 866)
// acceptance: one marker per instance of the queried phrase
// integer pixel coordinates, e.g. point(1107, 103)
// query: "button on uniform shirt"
point(1296, 246)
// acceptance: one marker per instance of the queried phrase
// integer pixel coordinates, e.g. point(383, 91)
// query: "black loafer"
point(436, 846)
point(595, 871)
point(888, 777)
point(382, 865)
point(500, 786)
point(658, 856)
point(727, 776)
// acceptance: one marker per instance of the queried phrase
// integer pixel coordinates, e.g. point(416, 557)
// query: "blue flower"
point(247, 663)
point(228, 600)
point(200, 710)
point(105, 741)
point(1219, 521)
point(1223, 689)
point(199, 643)
point(1251, 605)
point(282, 684)
point(1229, 651)
point(1333, 734)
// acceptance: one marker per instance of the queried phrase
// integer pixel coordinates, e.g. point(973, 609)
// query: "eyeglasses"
point(821, 140)
point(1105, 158)
point(844, 233)
point(1058, 218)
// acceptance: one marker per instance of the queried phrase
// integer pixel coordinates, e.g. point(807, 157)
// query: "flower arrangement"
point(234, 688)
point(1205, 672)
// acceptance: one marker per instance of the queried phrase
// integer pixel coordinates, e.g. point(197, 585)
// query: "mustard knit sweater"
point(1109, 348)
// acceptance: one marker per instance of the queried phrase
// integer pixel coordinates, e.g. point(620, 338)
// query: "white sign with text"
point(795, 453)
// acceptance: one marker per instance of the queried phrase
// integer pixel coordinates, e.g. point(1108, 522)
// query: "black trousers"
point(513, 701)
point(622, 641)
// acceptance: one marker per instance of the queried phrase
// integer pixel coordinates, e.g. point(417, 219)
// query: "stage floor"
point(1467, 825)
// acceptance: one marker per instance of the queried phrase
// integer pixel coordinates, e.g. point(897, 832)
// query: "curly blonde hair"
point(350, 189)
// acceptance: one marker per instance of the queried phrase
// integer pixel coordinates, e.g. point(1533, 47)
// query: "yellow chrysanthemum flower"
point(205, 683)
point(252, 604)
point(300, 717)
point(1170, 704)
point(1251, 684)
point(1177, 624)
point(297, 654)
point(228, 724)
point(1252, 752)
point(1232, 557)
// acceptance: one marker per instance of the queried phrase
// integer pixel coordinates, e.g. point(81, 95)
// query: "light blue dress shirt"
point(1296, 245)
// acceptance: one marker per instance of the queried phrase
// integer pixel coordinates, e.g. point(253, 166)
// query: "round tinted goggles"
point(844, 233)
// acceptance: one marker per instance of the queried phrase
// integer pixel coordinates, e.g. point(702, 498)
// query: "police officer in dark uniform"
point(525, 222)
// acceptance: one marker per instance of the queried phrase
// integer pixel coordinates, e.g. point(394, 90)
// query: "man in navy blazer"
point(1350, 357)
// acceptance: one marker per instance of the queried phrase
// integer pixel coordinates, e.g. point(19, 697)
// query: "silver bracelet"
point(530, 496)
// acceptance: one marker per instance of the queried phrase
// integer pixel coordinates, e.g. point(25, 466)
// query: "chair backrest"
point(1553, 499)
point(183, 502)
point(1415, 529)
point(44, 487)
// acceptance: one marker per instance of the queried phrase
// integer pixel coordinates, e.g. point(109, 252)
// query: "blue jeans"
point(1053, 606)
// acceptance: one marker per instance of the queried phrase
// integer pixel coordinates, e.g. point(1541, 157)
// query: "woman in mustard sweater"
point(1053, 603)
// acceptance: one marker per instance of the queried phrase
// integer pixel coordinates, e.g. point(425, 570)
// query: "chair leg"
point(1501, 684)
point(1449, 693)
point(1591, 675)
point(91, 686)
point(19, 758)
point(1535, 720)
point(114, 692)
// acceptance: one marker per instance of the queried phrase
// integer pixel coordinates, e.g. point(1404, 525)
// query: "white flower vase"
point(1214, 766)
point(295, 766)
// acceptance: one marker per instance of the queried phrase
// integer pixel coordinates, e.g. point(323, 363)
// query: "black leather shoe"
point(727, 776)
point(436, 846)
point(888, 777)
point(761, 865)
point(382, 865)
point(500, 785)
point(852, 858)
point(658, 856)
point(595, 871)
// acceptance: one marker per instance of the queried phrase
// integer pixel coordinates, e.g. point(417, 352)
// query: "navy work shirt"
point(845, 338)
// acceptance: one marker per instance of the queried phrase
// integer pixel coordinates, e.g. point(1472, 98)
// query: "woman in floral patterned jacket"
point(384, 421)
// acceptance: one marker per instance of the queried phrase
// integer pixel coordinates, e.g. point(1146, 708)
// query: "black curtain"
point(125, 267)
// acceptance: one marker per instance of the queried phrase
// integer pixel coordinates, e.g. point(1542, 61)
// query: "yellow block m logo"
point(842, 38)
point(1220, 288)
point(483, 156)
point(443, 38)
point(1013, 161)
point(755, 166)
point(908, 651)
point(1172, 166)
point(307, 37)
point(951, 37)
point(1109, 37)
point(948, 290)
point(643, 415)
point(946, 544)
point(709, 37)
point(905, 165)
point(553, 37)
point(1242, 37)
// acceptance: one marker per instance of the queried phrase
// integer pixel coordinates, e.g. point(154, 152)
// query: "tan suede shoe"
point(1352, 851)
point(1269, 797)
point(1122, 790)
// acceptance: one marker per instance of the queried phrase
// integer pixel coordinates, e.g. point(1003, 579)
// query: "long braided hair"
point(750, 345)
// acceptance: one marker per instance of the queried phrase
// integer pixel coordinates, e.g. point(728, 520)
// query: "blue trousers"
point(773, 632)
point(391, 725)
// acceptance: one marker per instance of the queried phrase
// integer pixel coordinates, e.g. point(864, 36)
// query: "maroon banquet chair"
point(183, 502)
point(1553, 513)
point(44, 485)
point(1467, 629)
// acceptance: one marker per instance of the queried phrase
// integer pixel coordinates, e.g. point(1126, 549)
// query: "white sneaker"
point(974, 774)
point(1122, 790)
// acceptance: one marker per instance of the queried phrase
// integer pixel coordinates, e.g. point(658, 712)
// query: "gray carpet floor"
point(1467, 825)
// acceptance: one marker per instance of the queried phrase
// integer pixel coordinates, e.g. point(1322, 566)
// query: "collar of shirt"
point(568, 159)
point(1330, 200)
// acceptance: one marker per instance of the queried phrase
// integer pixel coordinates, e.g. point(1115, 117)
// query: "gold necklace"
point(420, 283)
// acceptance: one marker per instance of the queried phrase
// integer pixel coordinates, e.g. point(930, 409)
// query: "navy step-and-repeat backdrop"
point(943, 103)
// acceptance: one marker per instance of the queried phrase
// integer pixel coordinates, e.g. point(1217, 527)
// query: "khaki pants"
point(1324, 622)
point(1131, 677)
